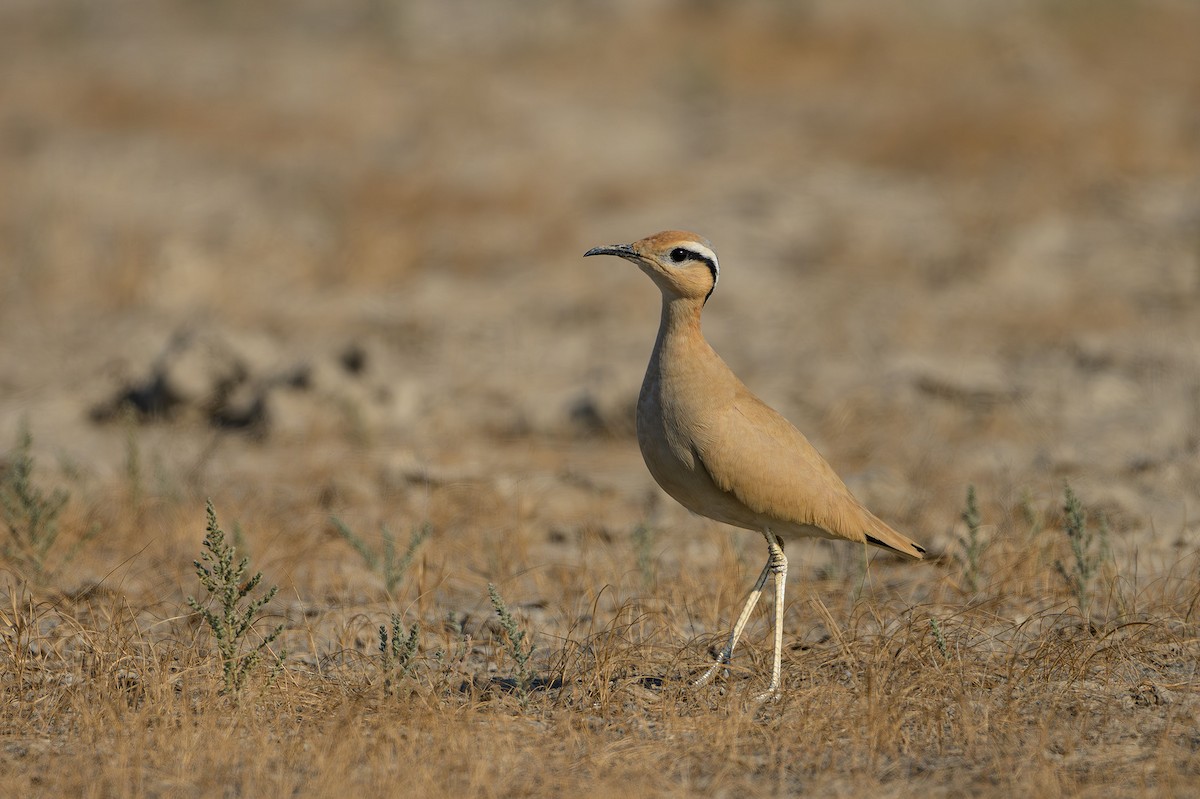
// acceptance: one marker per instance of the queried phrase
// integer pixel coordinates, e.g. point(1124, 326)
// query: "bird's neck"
point(679, 325)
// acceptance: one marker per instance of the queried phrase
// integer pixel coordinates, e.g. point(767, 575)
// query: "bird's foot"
point(772, 694)
point(704, 678)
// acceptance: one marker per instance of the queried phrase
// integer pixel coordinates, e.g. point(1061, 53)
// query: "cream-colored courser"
point(721, 451)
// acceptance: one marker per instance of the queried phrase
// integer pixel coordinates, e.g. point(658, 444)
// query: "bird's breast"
point(669, 424)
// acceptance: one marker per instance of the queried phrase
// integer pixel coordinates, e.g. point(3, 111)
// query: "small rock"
point(975, 383)
point(1147, 694)
point(605, 410)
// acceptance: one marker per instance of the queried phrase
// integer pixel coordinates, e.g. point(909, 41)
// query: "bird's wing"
point(754, 453)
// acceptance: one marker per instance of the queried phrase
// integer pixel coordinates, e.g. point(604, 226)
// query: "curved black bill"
point(619, 250)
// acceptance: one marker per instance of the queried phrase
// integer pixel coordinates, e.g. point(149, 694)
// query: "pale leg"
point(777, 564)
point(774, 559)
point(727, 652)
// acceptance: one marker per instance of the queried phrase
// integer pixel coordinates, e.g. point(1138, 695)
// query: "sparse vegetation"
point(938, 637)
point(398, 652)
point(135, 483)
point(230, 618)
point(31, 515)
point(897, 674)
point(515, 645)
point(385, 564)
point(1087, 551)
point(971, 544)
point(643, 545)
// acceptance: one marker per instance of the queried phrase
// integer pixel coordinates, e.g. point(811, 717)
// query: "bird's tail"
point(885, 537)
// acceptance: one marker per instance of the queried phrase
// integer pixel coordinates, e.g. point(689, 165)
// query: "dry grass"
point(899, 682)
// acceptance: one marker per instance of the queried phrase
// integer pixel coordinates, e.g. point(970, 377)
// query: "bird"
point(719, 450)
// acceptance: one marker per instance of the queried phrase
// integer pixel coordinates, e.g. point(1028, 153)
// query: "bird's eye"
point(679, 255)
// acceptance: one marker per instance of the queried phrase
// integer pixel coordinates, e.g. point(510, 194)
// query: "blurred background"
point(327, 255)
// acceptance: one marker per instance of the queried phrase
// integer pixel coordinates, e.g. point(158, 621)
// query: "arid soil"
point(321, 259)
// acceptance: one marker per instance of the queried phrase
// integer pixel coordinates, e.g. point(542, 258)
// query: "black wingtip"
point(873, 540)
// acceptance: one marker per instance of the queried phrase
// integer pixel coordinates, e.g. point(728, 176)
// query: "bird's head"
point(681, 264)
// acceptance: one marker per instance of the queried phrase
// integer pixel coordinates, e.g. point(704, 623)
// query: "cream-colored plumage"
point(718, 449)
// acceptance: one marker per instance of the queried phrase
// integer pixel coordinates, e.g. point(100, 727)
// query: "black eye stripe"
point(681, 254)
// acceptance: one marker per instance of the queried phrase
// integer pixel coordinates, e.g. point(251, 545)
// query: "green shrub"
point(231, 620)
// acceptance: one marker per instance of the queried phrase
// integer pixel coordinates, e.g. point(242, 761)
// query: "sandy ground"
point(957, 246)
point(313, 258)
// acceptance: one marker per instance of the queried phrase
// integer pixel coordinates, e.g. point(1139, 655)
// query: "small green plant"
point(1087, 552)
point(386, 564)
point(938, 637)
point(398, 650)
point(643, 543)
point(30, 515)
point(514, 642)
point(1029, 513)
point(972, 543)
point(135, 487)
point(457, 648)
point(232, 621)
